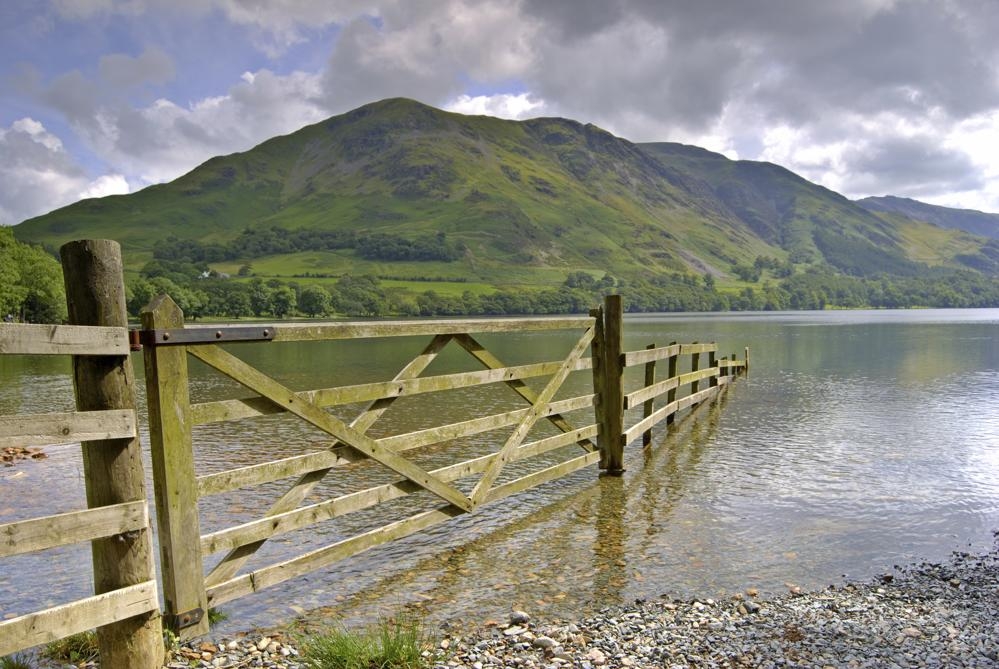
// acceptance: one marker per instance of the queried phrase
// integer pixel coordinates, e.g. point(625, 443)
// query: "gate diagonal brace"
point(490, 361)
point(236, 558)
point(291, 401)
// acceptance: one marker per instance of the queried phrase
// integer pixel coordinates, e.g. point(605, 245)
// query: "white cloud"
point(163, 140)
point(38, 175)
point(109, 184)
point(504, 105)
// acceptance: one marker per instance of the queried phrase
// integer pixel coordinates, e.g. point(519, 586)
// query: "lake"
point(860, 440)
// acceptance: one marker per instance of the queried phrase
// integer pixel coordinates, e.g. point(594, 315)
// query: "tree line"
point(267, 241)
point(31, 289)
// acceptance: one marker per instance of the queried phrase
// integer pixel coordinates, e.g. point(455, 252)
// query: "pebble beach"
point(925, 615)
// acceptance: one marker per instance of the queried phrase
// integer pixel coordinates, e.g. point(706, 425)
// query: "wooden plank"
point(369, 329)
point(66, 428)
point(610, 404)
point(632, 358)
point(528, 421)
point(671, 393)
point(543, 476)
point(38, 534)
point(694, 348)
point(667, 410)
point(275, 574)
point(175, 485)
point(232, 562)
point(480, 353)
point(636, 398)
point(226, 481)
point(32, 339)
point(265, 528)
point(56, 623)
point(695, 362)
point(212, 412)
point(467, 428)
point(648, 405)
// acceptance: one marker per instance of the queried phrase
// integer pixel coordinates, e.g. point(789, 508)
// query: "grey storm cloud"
point(792, 60)
point(917, 165)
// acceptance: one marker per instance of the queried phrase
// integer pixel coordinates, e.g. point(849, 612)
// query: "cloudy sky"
point(867, 97)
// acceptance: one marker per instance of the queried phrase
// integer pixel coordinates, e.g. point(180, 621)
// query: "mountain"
point(399, 189)
point(969, 220)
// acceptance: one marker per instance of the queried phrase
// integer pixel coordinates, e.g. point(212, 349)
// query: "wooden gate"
point(188, 591)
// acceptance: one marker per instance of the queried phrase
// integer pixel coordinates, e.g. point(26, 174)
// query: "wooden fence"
point(586, 429)
point(459, 488)
point(125, 608)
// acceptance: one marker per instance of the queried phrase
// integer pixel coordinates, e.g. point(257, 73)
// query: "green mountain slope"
point(969, 220)
point(518, 203)
point(809, 222)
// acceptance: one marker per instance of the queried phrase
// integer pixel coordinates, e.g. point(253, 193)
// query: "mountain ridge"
point(546, 196)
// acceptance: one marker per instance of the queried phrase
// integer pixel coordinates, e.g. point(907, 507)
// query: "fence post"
point(95, 295)
point(611, 392)
point(174, 483)
point(747, 361)
point(650, 404)
point(713, 362)
point(671, 393)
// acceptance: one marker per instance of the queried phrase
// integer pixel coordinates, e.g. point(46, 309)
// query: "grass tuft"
point(74, 649)
point(390, 645)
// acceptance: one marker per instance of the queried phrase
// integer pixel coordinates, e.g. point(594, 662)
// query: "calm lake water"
point(860, 440)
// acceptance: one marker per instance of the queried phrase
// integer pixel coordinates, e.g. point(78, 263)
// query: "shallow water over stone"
point(859, 440)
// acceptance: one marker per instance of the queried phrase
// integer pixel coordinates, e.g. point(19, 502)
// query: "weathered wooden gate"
point(167, 343)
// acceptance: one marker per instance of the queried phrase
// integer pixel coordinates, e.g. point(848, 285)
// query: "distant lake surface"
point(860, 440)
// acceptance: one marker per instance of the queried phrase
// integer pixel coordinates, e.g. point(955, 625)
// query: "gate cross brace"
point(490, 361)
point(540, 404)
point(235, 559)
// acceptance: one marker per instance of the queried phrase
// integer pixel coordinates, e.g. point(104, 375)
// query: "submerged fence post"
point(174, 482)
point(650, 404)
point(610, 387)
point(95, 295)
point(671, 393)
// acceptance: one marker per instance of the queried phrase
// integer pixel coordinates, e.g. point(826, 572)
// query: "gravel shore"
point(927, 615)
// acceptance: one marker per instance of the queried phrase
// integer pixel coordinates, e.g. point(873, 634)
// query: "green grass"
point(389, 645)
point(75, 649)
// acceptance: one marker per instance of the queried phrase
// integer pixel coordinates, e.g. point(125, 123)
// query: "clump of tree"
point(267, 241)
point(31, 285)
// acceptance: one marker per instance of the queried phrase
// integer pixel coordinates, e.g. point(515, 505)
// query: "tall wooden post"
point(650, 404)
point(713, 363)
point(95, 295)
point(611, 391)
point(747, 361)
point(174, 482)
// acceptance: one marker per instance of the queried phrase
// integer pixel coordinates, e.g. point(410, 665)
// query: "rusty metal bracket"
point(186, 336)
point(179, 621)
